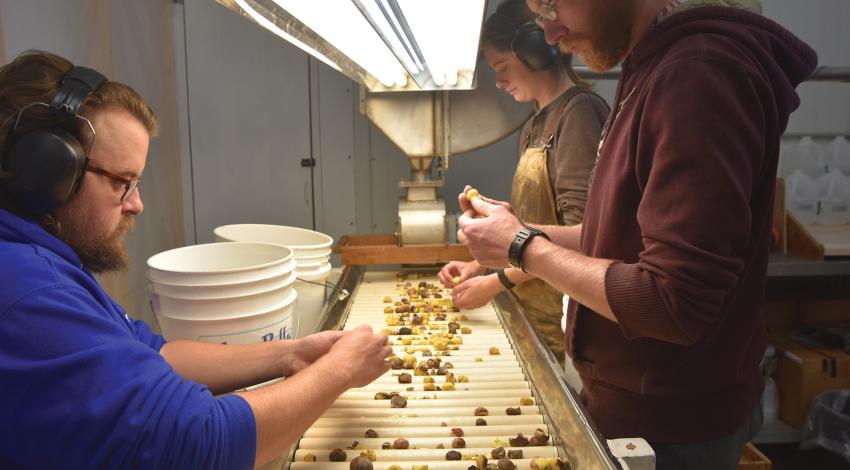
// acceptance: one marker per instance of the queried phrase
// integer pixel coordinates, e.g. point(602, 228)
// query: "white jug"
point(838, 155)
point(834, 196)
point(801, 197)
point(806, 156)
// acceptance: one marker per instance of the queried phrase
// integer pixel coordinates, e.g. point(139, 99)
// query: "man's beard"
point(608, 42)
point(98, 252)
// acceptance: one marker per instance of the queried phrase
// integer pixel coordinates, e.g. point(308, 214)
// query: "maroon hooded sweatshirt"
point(682, 199)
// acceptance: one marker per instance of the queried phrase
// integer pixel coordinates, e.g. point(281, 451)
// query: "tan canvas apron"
point(534, 203)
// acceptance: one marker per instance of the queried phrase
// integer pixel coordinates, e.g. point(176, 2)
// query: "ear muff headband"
point(530, 47)
point(47, 165)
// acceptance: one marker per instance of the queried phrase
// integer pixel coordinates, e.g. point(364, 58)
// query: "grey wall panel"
point(825, 107)
point(363, 161)
point(333, 148)
point(389, 166)
point(142, 50)
point(248, 103)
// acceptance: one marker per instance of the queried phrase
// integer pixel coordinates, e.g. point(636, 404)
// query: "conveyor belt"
point(469, 392)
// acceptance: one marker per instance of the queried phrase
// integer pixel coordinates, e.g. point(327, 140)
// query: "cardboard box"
point(753, 459)
point(804, 372)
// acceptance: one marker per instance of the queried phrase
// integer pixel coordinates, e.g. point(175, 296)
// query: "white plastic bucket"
point(219, 263)
point(223, 306)
point(303, 242)
point(313, 260)
point(312, 294)
point(311, 269)
point(263, 326)
point(217, 291)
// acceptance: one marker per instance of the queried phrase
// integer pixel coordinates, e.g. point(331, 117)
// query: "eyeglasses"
point(546, 12)
point(130, 185)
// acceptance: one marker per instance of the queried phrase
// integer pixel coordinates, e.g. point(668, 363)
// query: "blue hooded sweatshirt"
point(84, 386)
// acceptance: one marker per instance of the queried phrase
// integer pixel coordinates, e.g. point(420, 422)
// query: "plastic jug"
point(771, 401)
point(834, 196)
point(838, 155)
point(801, 197)
point(806, 156)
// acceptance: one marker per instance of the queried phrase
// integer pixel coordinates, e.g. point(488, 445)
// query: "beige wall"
point(133, 42)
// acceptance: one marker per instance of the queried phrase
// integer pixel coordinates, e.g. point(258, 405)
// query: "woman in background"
point(557, 154)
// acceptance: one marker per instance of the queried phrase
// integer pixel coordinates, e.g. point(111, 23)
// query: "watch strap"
point(520, 241)
point(503, 278)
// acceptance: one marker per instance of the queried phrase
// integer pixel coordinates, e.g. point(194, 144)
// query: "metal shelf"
point(778, 432)
point(780, 265)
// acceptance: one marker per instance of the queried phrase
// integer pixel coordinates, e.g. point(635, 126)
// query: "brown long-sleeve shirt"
point(577, 117)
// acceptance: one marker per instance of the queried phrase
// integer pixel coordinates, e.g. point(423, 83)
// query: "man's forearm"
point(224, 368)
point(580, 277)
point(562, 235)
point(283, 411)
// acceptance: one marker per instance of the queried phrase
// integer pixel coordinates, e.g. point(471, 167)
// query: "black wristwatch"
point(521, 240)
point(503, 278)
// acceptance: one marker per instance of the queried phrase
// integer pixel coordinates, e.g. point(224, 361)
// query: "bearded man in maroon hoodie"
point(667, 273)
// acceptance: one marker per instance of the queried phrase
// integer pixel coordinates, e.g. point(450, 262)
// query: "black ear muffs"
point(47, 165)
point(530, 47)
point(47, 168)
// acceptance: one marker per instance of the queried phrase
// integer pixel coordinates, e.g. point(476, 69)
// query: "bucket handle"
point(343, 293)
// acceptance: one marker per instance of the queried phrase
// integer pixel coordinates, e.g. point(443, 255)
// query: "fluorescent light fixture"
point(262, 21)
point(388, 45)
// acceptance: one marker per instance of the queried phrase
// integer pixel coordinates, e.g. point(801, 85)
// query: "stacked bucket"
point(311, 252)
point(231, 293)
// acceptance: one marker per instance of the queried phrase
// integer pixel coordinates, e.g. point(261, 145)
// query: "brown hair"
point(35, 76)
point(509, 18)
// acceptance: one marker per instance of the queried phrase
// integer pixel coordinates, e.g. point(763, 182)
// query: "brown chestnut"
point(504, 464)
point(398, 401)
point(539, 438)
point(453, 455)
point(337, 455)
point(519, 441)
point(361, 463)
point(401, 443)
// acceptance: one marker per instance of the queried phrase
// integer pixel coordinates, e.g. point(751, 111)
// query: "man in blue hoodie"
point(85, 386)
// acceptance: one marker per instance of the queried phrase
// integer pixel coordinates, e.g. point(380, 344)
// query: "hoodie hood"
point(783, 58)
point(15, 229)
point(753, 6)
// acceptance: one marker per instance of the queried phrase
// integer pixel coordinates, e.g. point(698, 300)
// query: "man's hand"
point(476, 291)
point(459, 269)
point(360, 356)
point(464, 203)
point(487, 237)
point(309, 349)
